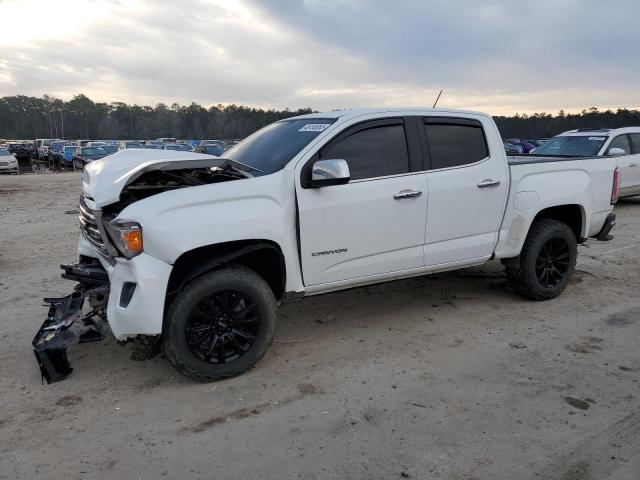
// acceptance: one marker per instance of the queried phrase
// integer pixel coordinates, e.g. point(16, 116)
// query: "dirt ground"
point(450, 376)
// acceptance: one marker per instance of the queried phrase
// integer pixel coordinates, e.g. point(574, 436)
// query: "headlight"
point(126, 237)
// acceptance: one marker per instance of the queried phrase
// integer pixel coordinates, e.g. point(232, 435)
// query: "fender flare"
point(224, 255)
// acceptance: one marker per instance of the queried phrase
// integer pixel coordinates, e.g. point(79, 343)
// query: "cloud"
point(498, 56)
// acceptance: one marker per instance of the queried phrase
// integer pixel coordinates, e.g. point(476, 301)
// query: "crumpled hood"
point(104, 179)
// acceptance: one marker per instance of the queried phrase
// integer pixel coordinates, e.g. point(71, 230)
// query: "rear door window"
point(454, 144)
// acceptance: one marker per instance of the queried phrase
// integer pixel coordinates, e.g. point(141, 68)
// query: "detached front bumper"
point(55, 335)
point(51, 342)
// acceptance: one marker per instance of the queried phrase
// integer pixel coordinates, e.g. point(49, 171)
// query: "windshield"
point(4, 153)
point(271, 148)
point(578, 146)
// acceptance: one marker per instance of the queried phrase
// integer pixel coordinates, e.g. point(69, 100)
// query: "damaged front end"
point(55, 335)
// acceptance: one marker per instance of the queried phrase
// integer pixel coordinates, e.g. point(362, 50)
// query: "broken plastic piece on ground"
point(91, 334)
point(51, 342)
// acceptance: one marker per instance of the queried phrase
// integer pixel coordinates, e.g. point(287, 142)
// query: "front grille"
point(91, 231)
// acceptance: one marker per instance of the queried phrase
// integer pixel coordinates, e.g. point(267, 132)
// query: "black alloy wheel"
point(222, 327)
point(552, 263)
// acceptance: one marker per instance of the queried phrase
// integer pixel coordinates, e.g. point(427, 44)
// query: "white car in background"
point(621, 143)
point(8, 163)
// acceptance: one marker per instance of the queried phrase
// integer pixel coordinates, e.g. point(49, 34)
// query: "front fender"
point(179, 221)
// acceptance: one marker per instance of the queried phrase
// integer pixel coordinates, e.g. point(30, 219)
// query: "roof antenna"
point(434, 105)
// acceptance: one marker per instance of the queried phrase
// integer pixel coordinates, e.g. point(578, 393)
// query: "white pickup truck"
point(198, 251)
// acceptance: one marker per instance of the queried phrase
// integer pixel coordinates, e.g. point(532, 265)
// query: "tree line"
point(24, 117)
point(544, 125)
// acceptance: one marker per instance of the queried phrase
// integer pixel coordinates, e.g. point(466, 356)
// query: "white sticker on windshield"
point(597, 139)
point(314, 127)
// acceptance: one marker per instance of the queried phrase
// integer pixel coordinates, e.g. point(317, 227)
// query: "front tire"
point(546, 263)
point(220, 324)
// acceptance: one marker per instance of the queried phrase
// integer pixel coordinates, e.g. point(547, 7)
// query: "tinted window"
point(621, 141)
point(635, 141)
point(455, 145)
point(272, 147)
point(374, 152)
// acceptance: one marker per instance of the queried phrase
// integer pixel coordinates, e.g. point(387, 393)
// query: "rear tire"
point(546, 263)
point(220, 324)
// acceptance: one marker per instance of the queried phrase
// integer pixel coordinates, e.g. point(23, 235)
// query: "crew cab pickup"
point(198, 252)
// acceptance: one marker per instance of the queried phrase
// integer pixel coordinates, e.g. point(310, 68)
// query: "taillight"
point(615, 191)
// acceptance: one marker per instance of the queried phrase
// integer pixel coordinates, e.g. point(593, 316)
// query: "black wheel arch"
point(572, 215)
point(262, 256)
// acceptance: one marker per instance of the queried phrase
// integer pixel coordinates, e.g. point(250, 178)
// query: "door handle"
point(489, 183)
point(407, 194)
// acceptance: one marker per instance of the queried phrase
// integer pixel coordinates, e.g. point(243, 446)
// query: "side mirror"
point(616, 152)
point(329, 172)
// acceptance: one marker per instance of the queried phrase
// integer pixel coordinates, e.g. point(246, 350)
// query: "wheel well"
point(569, 214)
point(262, 256)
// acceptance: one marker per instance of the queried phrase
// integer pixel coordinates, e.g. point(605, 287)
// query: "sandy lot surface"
point(444, 377)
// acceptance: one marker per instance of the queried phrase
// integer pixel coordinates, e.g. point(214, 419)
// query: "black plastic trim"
point(126, 294)
point(609, 223)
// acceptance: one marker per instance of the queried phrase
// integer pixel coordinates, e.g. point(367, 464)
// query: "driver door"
point(375, 224)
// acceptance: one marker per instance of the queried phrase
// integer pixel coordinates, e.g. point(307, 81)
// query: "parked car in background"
point(130, 144)
point(110, 148)
point(54, 153)
point(21, 151)
point(41, 147)
point(210, 149)
point(166, 140)
point(524, 144)
point(177, 147)
point(621, 143)
point(67, 155)
point(8, 163)
point(84, 155)
point(511, 149)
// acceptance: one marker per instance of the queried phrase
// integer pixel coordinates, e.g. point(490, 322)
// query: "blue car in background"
point(526, 146)
point(512, 149)
point(67, 155)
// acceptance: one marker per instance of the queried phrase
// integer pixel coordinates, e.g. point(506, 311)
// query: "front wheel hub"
point(223, 326)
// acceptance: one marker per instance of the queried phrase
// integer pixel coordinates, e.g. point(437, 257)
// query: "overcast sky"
point(500, 56)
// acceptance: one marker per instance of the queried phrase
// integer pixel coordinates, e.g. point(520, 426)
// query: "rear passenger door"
point(374, 224)
point(468, 187)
